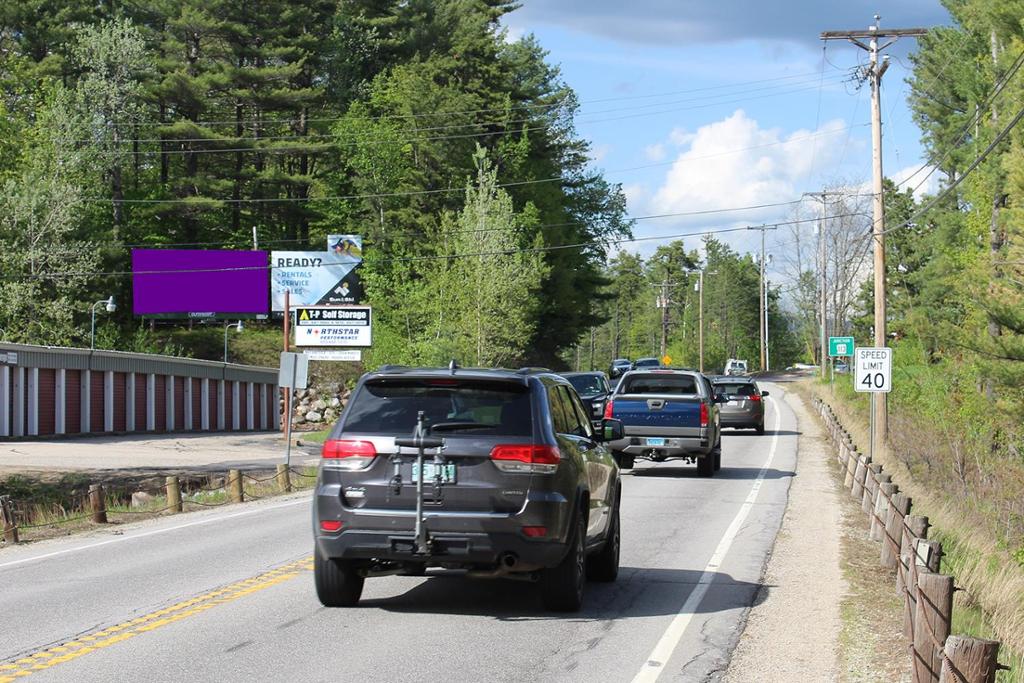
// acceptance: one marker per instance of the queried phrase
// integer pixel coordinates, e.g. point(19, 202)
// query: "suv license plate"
point(655, 442)
point(446, 470)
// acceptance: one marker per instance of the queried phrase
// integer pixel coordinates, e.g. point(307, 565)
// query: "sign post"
point(872, 373)
point(838, 347)
point(293, 374)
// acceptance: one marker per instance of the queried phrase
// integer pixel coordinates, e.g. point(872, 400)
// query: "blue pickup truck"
point(667, 414)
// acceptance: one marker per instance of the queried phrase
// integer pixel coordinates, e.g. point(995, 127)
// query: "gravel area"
point(793, 635)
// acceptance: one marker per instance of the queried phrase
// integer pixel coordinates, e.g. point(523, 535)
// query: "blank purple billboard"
point(194, 283)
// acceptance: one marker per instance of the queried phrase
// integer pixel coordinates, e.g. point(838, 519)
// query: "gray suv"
point(516, 482)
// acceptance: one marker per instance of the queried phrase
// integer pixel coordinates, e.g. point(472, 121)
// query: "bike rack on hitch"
point(421, 441)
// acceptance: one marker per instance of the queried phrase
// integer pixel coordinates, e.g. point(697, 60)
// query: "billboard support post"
point(286, 420)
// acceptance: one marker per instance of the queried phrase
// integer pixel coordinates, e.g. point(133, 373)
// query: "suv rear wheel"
point(338, 583)
point(562, 586)
point(604, 564)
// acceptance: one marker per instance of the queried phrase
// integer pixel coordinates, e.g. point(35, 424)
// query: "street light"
point(111, 307)
point(238, 328)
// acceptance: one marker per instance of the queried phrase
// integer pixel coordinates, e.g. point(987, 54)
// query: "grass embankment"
point(932, 454)
point(51, 508)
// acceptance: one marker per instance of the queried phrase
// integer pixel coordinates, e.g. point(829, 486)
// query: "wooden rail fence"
point(936, 655)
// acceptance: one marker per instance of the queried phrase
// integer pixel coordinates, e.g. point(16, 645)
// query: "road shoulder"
point(793, 634)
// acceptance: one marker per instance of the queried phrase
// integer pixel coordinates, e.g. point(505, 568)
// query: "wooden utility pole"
point(663, 305)
point(700, 317)
point(875, 70)
point(763, 298)
point(822, 282)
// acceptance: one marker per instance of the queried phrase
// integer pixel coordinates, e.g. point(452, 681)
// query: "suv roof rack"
point(531, 370)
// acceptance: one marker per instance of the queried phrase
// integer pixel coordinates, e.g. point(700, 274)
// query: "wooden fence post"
point(885, 493)
point(173, 494)
point(867, 502)
point(235, 486)
point(9, 523)
point(283, 479)
point(969, 660)
point(916, 529)
point(900, 508)
point(929, 555)
point(851, 469)
point(859, 476)
point(97, 503)
point(931, 625)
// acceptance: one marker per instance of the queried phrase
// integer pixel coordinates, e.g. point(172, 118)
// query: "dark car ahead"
point(744, 406)
point(517, 482)
point(647, 363)
point(619, 366)
point(593, 389)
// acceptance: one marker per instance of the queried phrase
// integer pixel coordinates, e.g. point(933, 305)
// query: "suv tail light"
point(526, 458)
point(608, 410)
point(703, 414)
point(347, 454)
point(754, 397)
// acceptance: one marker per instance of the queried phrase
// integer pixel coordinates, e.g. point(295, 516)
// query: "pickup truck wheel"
point(604, 564)
point(338, 583)
point(562, 586)
point(706, 466)
point(625, 461)
point(718, 458)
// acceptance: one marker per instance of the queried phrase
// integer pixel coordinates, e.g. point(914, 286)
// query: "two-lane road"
point(228, 595)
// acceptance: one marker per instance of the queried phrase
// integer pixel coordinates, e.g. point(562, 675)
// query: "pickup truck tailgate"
point(658, 416)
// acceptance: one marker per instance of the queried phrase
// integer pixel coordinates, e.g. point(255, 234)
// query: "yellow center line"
point(111, 635)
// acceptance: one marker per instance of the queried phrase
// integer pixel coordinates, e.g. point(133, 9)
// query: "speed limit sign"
point(872, 369)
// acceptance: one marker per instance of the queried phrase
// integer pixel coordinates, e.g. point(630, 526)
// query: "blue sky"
point(728, 103)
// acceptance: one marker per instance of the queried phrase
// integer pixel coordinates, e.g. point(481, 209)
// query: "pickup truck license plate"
point(655, 442)
point(447, 471)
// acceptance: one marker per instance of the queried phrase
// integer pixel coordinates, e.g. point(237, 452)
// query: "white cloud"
point(680, 137)
point(926, 179)
point(655, 152)
point(735, 162)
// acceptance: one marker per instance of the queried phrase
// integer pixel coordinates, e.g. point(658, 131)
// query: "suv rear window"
point(736, 389)
point(587, 385)
point(660, 384)
point(391, 406)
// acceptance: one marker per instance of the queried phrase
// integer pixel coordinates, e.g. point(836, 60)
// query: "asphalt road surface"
point(228, 594)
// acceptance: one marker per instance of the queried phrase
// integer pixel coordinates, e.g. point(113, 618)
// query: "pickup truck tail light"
point(608, 410)
point(526, 458)
point(703, 414)
point(347, 454)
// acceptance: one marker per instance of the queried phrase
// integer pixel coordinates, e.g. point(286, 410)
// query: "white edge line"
point(659, 658)
point(121, 539)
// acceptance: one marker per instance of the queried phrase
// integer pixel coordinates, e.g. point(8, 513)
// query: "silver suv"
point(515, 481)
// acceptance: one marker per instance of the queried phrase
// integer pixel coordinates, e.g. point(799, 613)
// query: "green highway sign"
point(840, 346)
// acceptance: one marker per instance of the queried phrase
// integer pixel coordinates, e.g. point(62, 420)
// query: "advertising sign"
point(333, 326)
point(198, 283)
point(872, 369)
point(839, 347)
point(335, 354)
point(318, 278)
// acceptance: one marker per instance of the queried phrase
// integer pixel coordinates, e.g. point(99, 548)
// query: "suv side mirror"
point(611, 430)
point(765, 393)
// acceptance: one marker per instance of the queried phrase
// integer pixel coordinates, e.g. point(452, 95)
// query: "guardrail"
point(95, 505)
point(936, 655)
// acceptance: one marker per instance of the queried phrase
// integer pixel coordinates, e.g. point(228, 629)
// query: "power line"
point(406, 259)
point(510, 131)
point(989, 101)
point(977, 162)
point(559, 102)
point(498, 122)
